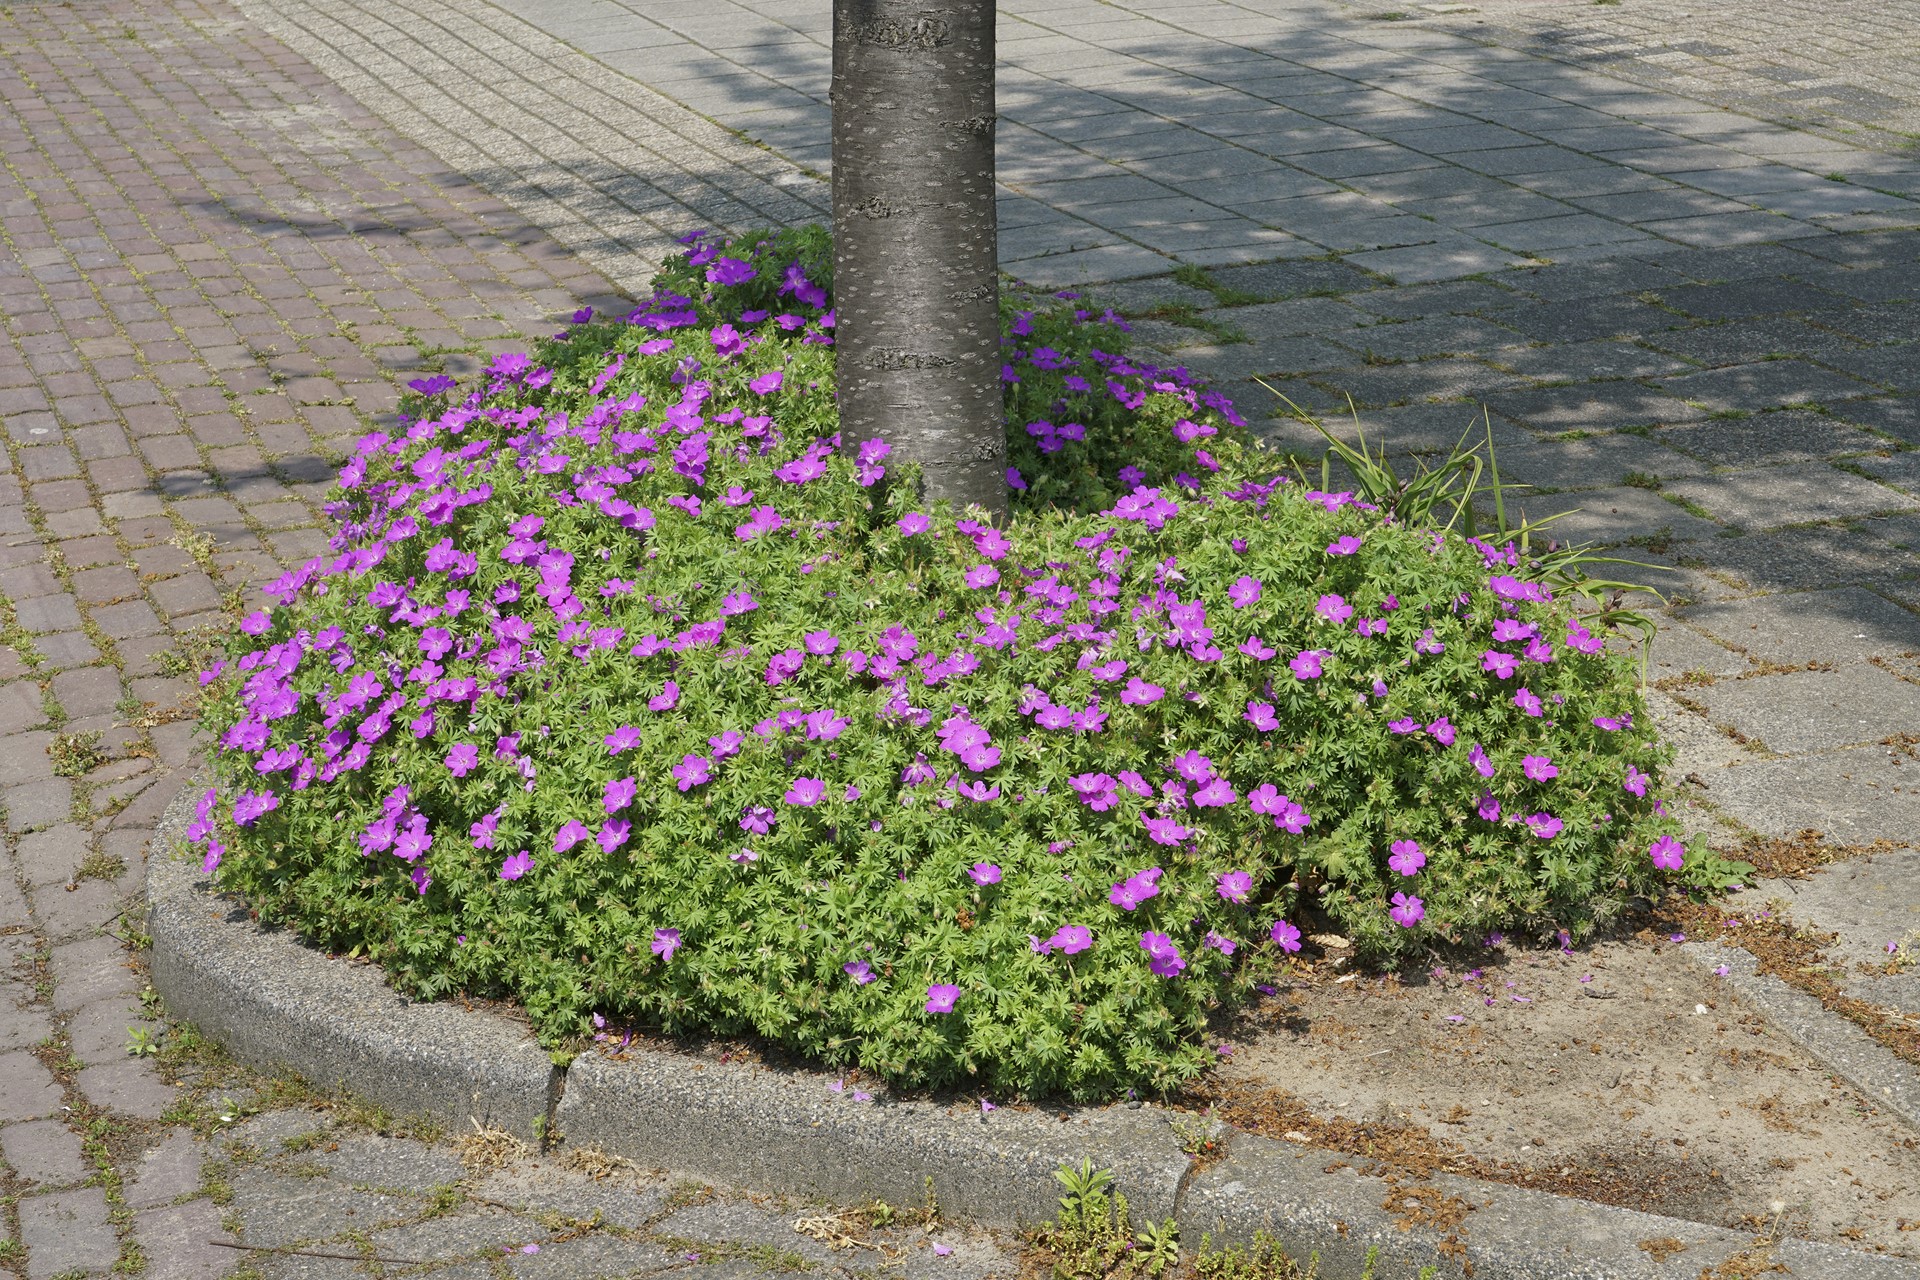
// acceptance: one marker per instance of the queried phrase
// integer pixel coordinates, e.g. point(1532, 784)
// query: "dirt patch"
point(1619, 1074)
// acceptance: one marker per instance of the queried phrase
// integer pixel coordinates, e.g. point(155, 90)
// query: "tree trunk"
point(915, 240)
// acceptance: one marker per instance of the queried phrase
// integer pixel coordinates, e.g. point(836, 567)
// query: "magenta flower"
point(1478, 758)
point(982, 576)
point(1345, 545)
point(767, 382)
point(1539, 768)
point(619, 794)
point(1489, 807)
point(1162, 956)
point(614, 833)
point(666, 700)
point(1406, 857)
point(911, 523)
point(516, 866)
point(1667, 853)
point(1245, 591)
point(1407, 910)
point(1216, 794)
point(984, 874)
point(461, 759)
point(805, 792)
point(1260, 716)
point(1256, 648)
point(1636, 781)
point(1139, 693)
point(570, 835)
point(1528, 701)
point(1233, 886)
point(1502, 665)
point(1071, 939)
point(940, 997)
point(1128, 894)
point(726, 743)
point(1193, 766)
point(1286, 935)
point(691, 771)
point(758, 819)
point(1442, 732)
point(1544, 825)
point(859, 970)
point(1333, 608)
point(737, 602)
point(1096, 791)
point(622, 739)
point(1306, 664)
point(666, 942)
point(820, 643)
point(1164, 830)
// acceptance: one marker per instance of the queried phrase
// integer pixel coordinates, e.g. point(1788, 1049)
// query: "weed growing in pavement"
point(626, 692)
point(76, 754)
point(1094, 1236)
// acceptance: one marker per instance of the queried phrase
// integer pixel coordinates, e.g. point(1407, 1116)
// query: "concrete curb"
point(1843, 1048)
point(277, 1004)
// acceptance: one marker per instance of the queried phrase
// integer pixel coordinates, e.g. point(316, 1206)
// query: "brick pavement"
point(220, 257)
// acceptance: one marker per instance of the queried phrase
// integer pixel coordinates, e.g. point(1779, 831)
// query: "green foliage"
point(417, 739)
point(1093, 1235)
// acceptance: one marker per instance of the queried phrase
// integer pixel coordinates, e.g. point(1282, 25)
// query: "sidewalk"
point(231, 231)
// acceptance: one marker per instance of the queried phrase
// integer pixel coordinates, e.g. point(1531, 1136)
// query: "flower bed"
point(627, 694)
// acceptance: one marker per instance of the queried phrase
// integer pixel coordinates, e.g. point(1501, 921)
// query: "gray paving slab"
point(1766, 439)
point(1592, 406)
point(1767, 384)
point(1592, 462)
point(1846, 625)
point(1801, 712)
point(1855, 796)
point(1607, 517)
point(1770, 497)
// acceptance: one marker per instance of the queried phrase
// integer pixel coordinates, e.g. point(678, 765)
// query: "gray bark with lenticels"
point(915, 240)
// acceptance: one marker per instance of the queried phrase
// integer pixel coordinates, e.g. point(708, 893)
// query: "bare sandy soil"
point(1619, 1073)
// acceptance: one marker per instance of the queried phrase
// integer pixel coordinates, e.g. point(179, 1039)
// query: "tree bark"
point(915, 240)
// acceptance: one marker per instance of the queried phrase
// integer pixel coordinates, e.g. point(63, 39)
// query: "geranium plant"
point(624, 692)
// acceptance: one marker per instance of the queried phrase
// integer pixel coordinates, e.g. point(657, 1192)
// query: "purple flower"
point(1442, 732)
point(691, 771)
point(1344, 545)
point(1162, 956)
point(805, 792)
point(1502, 665)
point(1096, 791)
point(1478, 758)
point(666, 700)
point(1286, 935)
point(619, 794)
point(982, 576)
point(1489, 807)
point(570, 835)
point(859, 970)
point(1139, 693)
point(1245, 591)
point(1164, 830)
point(1406, 857)
point(1219, 942)
point(1407, 910)
point(1636, 781)
point(1216, 794)
point(1528, 701)
point(1306, 664)
point(665, 943)
point(1233, 886)
point(1260, 716)
point(516, 866)
point(1667, 853)
point(737, 602)
point(766, 382)
point(1256, 648)
point(1544, 825)
point(1193, 766)
point(940, 997)
point(911, 523)
point(758, 819)
point(1427, 644)
point(984, 874)
point(820, 643)
point(1071, 939)
point(1539, 768)
point(1015, 480)
point(461, 759)
point(1333, 608)
point(1128, 894)
point(621, 739)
